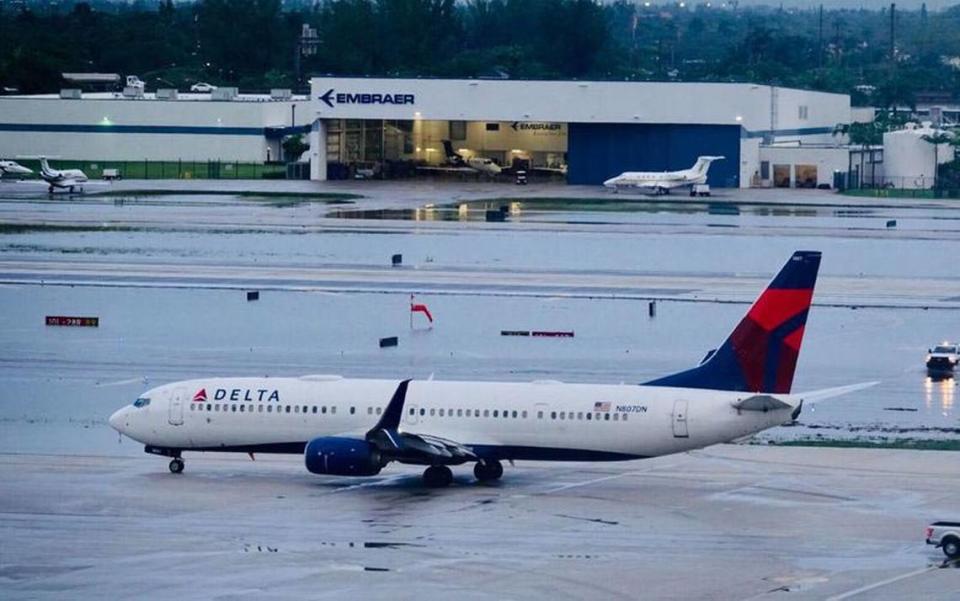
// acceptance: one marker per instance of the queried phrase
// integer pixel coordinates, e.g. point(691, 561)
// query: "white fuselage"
point(666, 180)
point(62, 178)
point(524, 420)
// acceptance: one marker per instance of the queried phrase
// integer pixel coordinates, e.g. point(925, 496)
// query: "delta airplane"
point(661, 182)
point(13, 168)
point(349, 427)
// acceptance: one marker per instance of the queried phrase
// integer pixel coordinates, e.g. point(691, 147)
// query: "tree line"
point(256, 44)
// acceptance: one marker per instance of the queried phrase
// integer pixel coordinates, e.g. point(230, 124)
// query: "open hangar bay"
point(82, 515)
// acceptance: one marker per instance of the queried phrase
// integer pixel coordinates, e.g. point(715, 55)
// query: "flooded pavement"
point(167, 275)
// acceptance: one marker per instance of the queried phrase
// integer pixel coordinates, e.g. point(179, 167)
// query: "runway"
point(730, 522)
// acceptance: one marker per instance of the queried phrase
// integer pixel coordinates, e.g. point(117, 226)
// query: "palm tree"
point(937, 138)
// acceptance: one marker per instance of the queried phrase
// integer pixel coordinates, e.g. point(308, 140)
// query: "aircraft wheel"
point(486, 472)
point(176, 465)
point(437, 476)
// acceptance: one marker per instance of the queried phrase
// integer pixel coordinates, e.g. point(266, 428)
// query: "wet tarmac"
point(167, 276)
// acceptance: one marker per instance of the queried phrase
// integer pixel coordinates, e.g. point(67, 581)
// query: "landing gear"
point(488, 471)
point(176, 465)
point(437, 476)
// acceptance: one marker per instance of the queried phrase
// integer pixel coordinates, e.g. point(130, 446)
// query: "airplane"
point(62, 178)
point(456, 162)
point(661, 182)
point(13, 168)
point(355, 427)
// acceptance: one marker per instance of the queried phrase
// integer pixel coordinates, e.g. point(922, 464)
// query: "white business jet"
point(13, 169)
point(355, 427)
point(67, 179)
point(661, 182)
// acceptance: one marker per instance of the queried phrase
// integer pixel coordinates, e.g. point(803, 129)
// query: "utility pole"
point(820, 40)
point(893, 32)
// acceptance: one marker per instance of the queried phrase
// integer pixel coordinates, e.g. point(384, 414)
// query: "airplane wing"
point(815, 396)
point(447, 169)
point(409, 447)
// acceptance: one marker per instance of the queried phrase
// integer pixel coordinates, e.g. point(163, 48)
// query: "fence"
point(170, 169)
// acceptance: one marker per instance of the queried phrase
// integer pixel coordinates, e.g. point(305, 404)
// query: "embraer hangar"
point(586, 129)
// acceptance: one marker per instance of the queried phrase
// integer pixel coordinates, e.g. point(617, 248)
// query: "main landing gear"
point(439, 476)
point(488, 471)
point(176, 465)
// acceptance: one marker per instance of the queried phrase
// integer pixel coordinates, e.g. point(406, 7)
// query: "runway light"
point(739, 118)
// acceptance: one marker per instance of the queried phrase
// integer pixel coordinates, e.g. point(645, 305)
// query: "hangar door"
point(599, 151)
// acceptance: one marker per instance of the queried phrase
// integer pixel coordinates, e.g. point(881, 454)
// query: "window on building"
point(458, 130)
point(493, 127)
point(803, 112)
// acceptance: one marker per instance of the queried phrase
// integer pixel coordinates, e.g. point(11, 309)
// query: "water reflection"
point(940, 392)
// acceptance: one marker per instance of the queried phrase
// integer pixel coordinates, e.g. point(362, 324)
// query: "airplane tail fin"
point(760, 355)
point(45, 166)
point(452, 156)
point(703, 164)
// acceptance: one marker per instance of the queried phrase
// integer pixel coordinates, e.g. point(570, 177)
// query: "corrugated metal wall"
point(599, 151)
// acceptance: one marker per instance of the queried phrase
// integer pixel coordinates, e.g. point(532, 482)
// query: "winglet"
point(390, 420)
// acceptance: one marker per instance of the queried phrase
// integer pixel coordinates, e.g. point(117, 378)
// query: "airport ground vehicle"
point(700, 190)
point(942, 359)
point(946, 536)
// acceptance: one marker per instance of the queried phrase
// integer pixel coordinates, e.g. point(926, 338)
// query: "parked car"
point(202, 87)
point(945, 535)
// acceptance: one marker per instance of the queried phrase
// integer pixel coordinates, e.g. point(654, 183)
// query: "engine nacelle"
point(337, 456)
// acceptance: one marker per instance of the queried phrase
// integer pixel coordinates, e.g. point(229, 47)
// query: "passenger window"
point(494, 413)
point(233, 408)
point(506, 414)
point(296, 408)
point(589, 416)
point(561, 415)
point(288, 409)
point(353, 410)
point(606, 417)
point(333, 409)
point(486, 413)
point(208, 407)
point(433, 412)
point(193, 407)
point(553, 415)
point(314, 410)
point(323, 409)
point(269, 408)
point(304, 408)
point(241, 408)
point(441, 413)
point(259, 408)
point(459, 412)
point(412, 411)
point(369, 410)
point(616, 417)
point(539, 414)
point(580, 415)
point(379, 410)
point(422, 412)
point(625, 416)
point(515, 414)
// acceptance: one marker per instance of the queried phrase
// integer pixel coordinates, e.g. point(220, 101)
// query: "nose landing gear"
point(176, 465)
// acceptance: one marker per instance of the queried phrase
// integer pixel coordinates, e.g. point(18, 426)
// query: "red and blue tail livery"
point(761, 353)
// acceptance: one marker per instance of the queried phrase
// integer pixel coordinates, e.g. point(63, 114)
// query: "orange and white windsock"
point(420, 308)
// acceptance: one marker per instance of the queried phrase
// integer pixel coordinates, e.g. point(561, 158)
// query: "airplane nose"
point(117, 420)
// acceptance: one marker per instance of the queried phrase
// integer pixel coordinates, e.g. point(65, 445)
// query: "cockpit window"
point(141, 402)
point(945, 349)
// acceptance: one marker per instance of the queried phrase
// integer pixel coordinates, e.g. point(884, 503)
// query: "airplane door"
point(680, 420)
point(175, 416)
point(412, 411)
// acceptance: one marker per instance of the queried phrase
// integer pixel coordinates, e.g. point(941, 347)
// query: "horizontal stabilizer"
point(761, 402)
point(815, 396)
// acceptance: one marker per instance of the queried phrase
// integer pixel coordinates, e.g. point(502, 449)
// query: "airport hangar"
point(587, 130)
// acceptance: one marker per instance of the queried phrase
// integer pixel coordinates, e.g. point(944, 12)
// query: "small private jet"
point(66, 179)
point(13, 169)
point(661, 182)
point(355, 427)
point(455, 162)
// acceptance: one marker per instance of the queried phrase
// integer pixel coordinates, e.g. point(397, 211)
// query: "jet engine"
point(338, 456)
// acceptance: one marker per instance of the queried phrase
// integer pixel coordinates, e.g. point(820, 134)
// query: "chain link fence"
point(168, 169)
